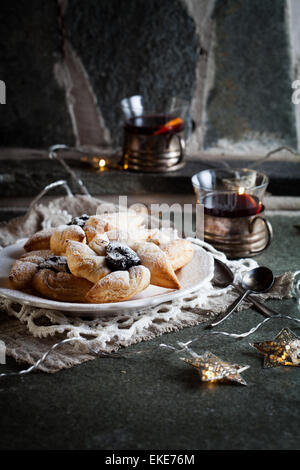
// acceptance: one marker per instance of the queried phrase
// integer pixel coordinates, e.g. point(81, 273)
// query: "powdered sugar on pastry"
point(83, 262)
point(179, 252)
point(39, 241)
point(21, 274)
point(23, 270)
point(99, 244)
point(162, 272)
point(120, 285)
point(129, 238)
point(36, 256)
point(63, 233)
point(124, 221)
point(162, 236)
point(60, 286)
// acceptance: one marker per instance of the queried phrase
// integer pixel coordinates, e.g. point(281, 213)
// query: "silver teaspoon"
point(256, 281)
point(223, 277)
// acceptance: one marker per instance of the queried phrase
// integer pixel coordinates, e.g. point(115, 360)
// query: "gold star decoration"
point(284, 350)
point(213, 369)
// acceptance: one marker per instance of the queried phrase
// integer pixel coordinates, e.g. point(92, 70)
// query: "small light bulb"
point(241, 190)
point(102, 163)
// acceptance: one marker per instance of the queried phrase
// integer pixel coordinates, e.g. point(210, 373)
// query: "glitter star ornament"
point(213, 369)
point(284, 350)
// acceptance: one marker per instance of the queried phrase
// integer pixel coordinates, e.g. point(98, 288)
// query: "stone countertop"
point(26, 176)
point(155, 401)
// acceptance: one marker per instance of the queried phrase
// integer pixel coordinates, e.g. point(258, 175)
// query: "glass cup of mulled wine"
point(154, 135)
point(232, 200)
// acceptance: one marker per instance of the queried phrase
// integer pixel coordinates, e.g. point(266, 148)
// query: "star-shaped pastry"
point(212, 369)
point(284, 350)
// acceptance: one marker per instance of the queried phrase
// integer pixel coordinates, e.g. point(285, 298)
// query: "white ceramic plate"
point(191, 277)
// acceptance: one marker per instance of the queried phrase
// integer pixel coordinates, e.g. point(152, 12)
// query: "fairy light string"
point(182, 346)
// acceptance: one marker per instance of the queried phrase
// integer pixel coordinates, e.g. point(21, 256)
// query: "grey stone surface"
point(251, 95)
point(28, 177)
point(155, 401)
point(134, 47)
point(201, 12)
point(35, 114)
point(293, 22)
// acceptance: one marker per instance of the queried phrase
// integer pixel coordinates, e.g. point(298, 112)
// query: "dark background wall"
point(251, 95)
point(67, 65)
point(35, 112)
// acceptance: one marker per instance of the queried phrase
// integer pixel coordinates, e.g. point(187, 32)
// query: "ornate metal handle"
point(181, 146)
point(269, 230)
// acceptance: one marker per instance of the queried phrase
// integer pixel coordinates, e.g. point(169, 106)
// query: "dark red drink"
point(226, 204)
point(154, 124)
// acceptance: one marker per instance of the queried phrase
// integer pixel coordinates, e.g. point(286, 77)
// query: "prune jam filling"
point(80, 221)
point(120, 257)
point(56, 264)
